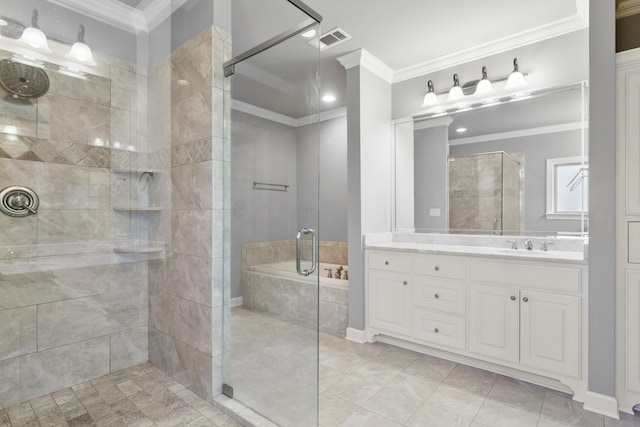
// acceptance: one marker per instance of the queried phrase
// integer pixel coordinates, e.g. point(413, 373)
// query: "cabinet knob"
point(405, 283)
point(525, 299)
point(386, 263)
point(437, 268)
point(436, 330)
point(513, 298)
point(436, 296)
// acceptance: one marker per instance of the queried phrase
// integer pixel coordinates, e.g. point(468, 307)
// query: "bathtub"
point(278, 290)
point(288, 269)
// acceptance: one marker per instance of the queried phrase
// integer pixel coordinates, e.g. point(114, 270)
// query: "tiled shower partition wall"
point(187, 289)
point(70, 308)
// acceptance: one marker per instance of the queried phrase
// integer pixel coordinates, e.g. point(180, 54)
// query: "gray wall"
point(263, 151)
point(602, 179)
point(537, 149)
point(267, 151)
point(430, 165)
point(331, 156)
point(553, 62)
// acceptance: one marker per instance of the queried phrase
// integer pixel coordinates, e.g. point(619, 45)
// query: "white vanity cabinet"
point(390, 292)
point(520, 314)
point(628, 231)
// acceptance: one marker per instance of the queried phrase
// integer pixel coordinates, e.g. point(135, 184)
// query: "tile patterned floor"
point(139, 396)
point(360, 385)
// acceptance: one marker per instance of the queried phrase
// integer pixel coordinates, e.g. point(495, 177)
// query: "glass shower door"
point(271, 365)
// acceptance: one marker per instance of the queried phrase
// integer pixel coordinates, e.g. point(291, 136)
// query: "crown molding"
point(110, 12)
point(366, 60)
point(566, 127)
point(432, 123)
point(626, 8)
point(123, 16)
point(158, 11)
point(284, 119)
point(543, 32)
point(628, 57)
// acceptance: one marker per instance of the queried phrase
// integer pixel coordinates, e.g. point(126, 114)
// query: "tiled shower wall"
point(187, 288)
point(71, 309)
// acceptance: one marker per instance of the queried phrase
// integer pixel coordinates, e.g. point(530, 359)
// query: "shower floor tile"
point(139, 396)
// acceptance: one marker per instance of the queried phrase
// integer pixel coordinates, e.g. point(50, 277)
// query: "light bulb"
point(484, 86)
point(430, 98)
point(33, 36)
point(456, 91)
point(80, 51)
point(516, 78)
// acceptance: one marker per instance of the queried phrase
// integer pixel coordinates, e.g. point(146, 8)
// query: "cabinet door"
point(550, 332)
point(632, 329)
point(390, 302)
point(493, 322)
point(629, 96)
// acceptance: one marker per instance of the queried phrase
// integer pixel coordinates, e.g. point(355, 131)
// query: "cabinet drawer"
point(390, 261)
point(439, 294)
point(438, 266)
point(438, 328)
point(563, 279)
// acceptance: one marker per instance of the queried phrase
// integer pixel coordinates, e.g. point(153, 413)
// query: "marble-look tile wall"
point(477, 185)
point(70, 309)
point(191, 107)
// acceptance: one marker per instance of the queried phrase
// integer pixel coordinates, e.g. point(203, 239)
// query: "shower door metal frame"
point(314, 19)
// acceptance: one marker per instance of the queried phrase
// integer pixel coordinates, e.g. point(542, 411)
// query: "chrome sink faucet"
point(514, 243)
point(528, 245)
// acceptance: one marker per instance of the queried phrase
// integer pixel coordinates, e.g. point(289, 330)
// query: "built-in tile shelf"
point(138, 209)
point(138, 249)
point(137, 171)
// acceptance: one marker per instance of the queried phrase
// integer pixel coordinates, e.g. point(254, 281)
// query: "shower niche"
point(485, 193)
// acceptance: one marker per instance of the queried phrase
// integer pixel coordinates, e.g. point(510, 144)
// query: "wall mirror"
point(517, 167)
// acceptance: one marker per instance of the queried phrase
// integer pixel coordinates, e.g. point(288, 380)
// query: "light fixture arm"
point(484, 73)
point(81, 33)
point(515, 64)
point(430, 86)
point(34, 18)
point(456, 80)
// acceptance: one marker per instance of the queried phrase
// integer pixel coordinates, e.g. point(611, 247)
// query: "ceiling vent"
point(330, 39)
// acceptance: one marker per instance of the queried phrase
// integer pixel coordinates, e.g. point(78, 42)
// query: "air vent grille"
point(330, 39)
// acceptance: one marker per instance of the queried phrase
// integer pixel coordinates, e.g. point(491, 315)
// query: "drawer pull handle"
point(386, 263)
point(436, 330)
point(436, 296)
point(437, 268)
point(513, 298)
point(525, 299)
point(405, 283)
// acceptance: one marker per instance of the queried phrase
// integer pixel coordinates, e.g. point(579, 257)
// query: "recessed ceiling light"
point(309, 34)
point(461, 130)
point(328, 98)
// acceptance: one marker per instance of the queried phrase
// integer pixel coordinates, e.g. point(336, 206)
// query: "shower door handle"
point(314, 251)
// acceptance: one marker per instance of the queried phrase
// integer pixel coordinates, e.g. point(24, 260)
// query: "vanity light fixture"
point(430, 98)
point(34, 37)
point(328, 98)
point(484, 86)
point(455, 93)
point(80, 51)
point(516, 78)
point(3, 22)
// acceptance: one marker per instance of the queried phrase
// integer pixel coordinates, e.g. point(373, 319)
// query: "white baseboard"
point(356, 335)
point(601, 404)
point(236, 302)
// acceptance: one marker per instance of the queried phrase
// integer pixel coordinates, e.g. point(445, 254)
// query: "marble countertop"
point(483, 251)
